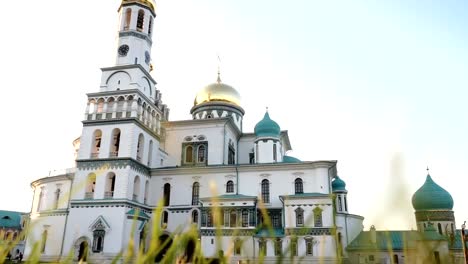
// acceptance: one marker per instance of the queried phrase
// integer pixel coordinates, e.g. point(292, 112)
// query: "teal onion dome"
point(267, 127)
point(338, 184)
point(290, 159)
point(431, 197)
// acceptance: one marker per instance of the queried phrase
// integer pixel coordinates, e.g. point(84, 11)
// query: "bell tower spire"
point(135, 33)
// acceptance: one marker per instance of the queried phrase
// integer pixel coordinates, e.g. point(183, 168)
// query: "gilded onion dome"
point(148, 3)
point(217, 92)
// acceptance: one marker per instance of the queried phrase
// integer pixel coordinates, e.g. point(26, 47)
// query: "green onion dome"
point(290, 159)
point(431, 197)
point(338, 184)
point(267, 127)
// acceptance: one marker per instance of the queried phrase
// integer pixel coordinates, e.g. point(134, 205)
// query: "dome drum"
point(217, 106)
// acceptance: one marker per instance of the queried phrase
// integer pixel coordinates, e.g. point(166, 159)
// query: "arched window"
point(189, 154)
point(140, 20)
point(233, 218)
point(167, 194)
point(299, 217)
point(90, 186)
point(136, 188)
point(439, 227)
point(266, 191)
point(128, 18)
point(150, 152)
point(201, 154)
point(298, 186)
point(43, 241)
point(318, 217)
point(98, 240)
point(195, 216)
point(57, 198)
point(145, 200)
point(195, 193)
point(97, 136)
point(41, 199)
point(237, 247)
point(309, 247)
point(293, 246)
point(165, 217)
point(275, 158)
point(245, 218)
point(150, 26)
point(114, 151)
point(230, 187)
point(140, 147)
point(110, 186)
point(340, 205)
point(345, 203)
point(278, 247)
point(100, 106)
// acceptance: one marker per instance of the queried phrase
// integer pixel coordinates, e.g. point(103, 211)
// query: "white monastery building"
point(131, 157)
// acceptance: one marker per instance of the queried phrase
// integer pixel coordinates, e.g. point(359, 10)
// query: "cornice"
point(125, 92)
point(168, 125)
point(129, 66)
point(102, 203)
point(136, 34)
point(217, 104)
point(184, 170)
point(112, 163)
point(64, 177)
point(57, 212)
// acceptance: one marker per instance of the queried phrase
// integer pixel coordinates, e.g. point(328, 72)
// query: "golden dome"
point(148, 3)
point(217, 92)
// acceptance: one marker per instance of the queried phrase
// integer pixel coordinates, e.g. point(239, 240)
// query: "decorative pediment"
point(99, 224)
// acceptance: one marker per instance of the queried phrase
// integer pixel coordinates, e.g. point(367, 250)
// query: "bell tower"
point(120, 142)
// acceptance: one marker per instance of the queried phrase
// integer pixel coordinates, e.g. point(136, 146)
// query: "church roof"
point(290, 159)
point(432, 197)
point(10, 219)
point(270, 232)
point(401, 240)
point(141, 214)
point(338, 184)
point(385, 241)
point(267, 127)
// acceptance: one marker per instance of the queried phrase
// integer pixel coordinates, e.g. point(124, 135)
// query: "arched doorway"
point(165, 241)
point(190, 250)
point(83, 252)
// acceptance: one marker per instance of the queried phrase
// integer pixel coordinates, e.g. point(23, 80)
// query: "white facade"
point(131, 157)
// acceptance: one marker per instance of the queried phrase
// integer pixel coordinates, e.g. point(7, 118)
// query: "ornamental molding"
point(196, 178)
point(112, 164)
point(167, 179)
point(227, 232)
point(111, 203)
point(118, 121)
point(309, 231)
point(230, 176)
point(424, 216)
point(298, 173)
point(99, 224)
point(137, 35)
point(265, 175)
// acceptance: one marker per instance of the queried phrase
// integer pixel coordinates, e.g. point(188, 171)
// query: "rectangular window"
point(278, 247)
point(371, 258)
point(437, 257)
point(395, 259)
point(245, 218)
point(293, 247)
point(309, 248)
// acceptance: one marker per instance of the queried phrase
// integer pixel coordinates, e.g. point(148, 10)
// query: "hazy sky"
point(380, 86)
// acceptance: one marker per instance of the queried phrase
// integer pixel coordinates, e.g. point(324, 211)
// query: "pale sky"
point(380, 86)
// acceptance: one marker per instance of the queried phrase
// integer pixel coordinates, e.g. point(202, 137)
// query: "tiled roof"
point(10, 219)
point(385, 240)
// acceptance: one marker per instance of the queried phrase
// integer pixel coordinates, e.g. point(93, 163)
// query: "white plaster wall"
point(131, 78)
point(128, 142)
point(265, 151)
point(246, 146)
point(214, 134)
point(49, 198)
point(55, 228)
point(81, 219)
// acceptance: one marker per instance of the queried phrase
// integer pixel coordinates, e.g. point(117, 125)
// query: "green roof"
point(399, 240)
point(385, 240)
point(290, 159)
point(10, 219)
point(431, 197)
point(141, 214)
point(338, 184)
point(270, 232)
point(267, 127)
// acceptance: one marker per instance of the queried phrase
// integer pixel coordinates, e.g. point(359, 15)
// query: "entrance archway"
point(83, 252)
point(165, 241)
